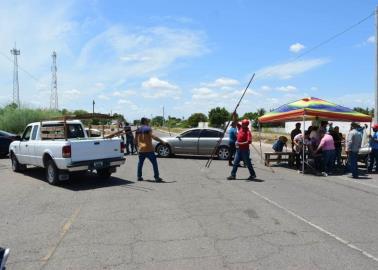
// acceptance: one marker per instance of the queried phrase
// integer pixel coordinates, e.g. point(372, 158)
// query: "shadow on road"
point(79, 182)
point(188, 157)
point(161, 182)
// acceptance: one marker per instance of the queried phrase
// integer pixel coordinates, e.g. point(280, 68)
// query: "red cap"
point(375, 126)
point(245, 122)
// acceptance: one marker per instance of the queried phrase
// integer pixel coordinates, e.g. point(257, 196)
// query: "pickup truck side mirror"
point(178, 137)
point(17, 138)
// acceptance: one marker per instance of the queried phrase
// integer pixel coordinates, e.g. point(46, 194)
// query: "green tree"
point(157, 121)
point(261, 112)
point(250, 115)
point(195, 118)
point(79, 112)
point(366, 111)
point(136, 122)
point(218, 116)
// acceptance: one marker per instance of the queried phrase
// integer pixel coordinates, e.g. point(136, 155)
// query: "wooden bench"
point(275, 156)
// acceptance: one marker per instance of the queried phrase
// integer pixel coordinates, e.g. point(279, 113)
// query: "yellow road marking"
point(63, 232)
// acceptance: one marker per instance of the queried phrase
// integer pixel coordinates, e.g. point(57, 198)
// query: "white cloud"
point(371, 39)
point(362, 99)
point(288, 88)
point(103, 97)
point(134, 58)
point(156, 88)
point(291, 69)
point(204, 93)
point(124, 94)
point(156, 83)
point(265, 88)
point(71, 94)
point(296, 47)
point(222, 83)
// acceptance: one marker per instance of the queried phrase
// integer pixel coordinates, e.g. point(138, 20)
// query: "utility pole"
point(16, 87)
point(163, 116)
point(376, 67)
point(54, 84)
point(93, 103)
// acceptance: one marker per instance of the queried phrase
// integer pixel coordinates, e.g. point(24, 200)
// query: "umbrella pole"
point(261, 158)
point(303, 145)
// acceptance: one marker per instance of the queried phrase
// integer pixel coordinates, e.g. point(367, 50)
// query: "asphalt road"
point(195, 220)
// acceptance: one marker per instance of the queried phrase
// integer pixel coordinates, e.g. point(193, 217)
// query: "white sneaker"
point(324, 174)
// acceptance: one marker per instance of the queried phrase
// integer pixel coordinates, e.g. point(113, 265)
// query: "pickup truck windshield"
point(74, 131)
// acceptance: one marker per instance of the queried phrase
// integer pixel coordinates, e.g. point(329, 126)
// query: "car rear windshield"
point(56, 131)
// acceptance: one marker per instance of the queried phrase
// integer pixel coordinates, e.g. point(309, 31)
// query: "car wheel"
point(104, 173)
point(223, 152)
point(52, 173)
point(163, 150)
point(367, 162)
point(16, 166)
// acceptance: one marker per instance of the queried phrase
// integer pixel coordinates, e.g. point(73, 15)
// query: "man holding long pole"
point(244, 139)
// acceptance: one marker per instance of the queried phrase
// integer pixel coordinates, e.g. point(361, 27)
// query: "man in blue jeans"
point(143, 140)
point(244, 139)
point(374, 149)
point(352, 146)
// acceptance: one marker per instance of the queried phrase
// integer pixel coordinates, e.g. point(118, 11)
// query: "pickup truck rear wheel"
point(52, 174)
point(104, 173)
point(16, 166)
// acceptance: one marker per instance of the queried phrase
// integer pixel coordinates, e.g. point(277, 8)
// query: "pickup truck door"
point(23, 151)
point(33, 159)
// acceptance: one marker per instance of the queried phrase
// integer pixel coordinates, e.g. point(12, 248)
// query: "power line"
point(21, 68)
point(334, 36)
point(320, 44)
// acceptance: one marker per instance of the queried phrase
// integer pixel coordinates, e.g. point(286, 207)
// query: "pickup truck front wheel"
point(16, 166)
point(52, 174)
point(104, 173)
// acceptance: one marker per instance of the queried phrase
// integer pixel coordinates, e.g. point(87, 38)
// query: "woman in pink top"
point(327, 145)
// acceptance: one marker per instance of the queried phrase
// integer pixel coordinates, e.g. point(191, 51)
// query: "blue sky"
point(134, 57)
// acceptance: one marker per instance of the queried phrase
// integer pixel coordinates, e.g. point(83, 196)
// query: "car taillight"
point(122, 147)
point(66, 151)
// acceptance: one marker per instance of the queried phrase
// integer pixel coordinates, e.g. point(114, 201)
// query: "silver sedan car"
point(196, 141)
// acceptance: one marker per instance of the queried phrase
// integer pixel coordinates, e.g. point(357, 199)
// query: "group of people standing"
point(323, 145)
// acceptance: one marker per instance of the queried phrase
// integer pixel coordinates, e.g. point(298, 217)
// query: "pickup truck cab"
point(64, 147)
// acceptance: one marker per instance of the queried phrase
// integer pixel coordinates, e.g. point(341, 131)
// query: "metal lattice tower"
point(16, 87)
point(54, 85)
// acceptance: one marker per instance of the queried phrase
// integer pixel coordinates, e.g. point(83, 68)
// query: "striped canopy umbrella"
point(313, 108)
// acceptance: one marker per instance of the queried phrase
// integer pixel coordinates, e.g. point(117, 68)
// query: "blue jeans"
point(242, 155)
point(328, 160)
point(151, 156)
point(129, 144)
point(352, 163)
point(373, 158)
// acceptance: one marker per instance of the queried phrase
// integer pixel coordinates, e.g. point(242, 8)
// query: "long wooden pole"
point(208, 163)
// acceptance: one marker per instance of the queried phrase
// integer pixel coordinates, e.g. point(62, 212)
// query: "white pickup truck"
point(64, 147)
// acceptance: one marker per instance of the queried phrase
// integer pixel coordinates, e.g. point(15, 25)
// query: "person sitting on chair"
point(279, 145)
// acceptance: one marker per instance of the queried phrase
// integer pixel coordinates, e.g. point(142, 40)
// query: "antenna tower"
point(54, 85)
point(16, 87)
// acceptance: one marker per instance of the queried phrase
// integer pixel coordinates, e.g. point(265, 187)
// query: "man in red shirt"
point(244, 139)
